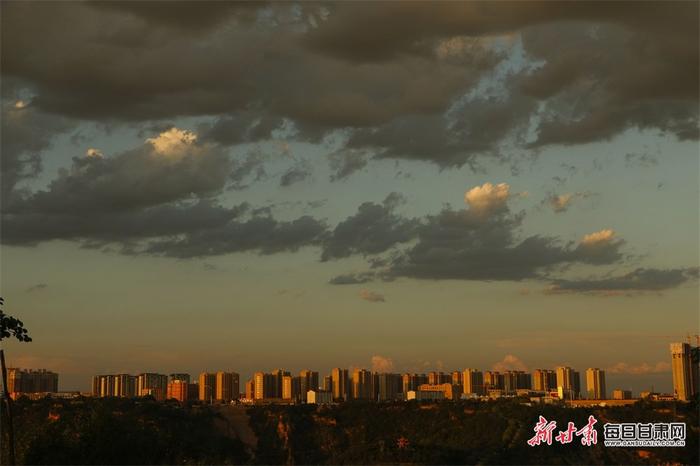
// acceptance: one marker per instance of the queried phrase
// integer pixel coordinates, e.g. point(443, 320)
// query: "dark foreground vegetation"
point(120, 431)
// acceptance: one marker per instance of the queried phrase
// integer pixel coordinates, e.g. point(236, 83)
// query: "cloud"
point(375, 228)
point(560, 203)
point(382, 364)
point(37, 287)
point(638, 281)
point(26, 133)
point(352, 278)
point(639, 369)
point(251, 167)
point(92, 152)
point(487, 198)
point(439, 85)
point(372, 296)
point(174, 141)
point(260, 233)
point(165, 169)
point(600, 247)
point(509, 363)
point(296, 174)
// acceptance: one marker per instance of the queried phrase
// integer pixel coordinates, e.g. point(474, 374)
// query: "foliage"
point(120, 431)
point(11, 326)
point(468, 432)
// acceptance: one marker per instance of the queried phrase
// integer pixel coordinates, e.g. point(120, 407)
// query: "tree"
point(10, 327)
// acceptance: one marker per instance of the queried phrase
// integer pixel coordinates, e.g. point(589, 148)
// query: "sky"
point(204, 186)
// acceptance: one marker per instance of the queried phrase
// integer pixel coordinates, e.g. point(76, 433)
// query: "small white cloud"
point(510, 363)
point(173, 141)
point(372, 296)
point(560, 203)
point(382, 364)
point(92, 152)
point(489, 197)
point(599, 238)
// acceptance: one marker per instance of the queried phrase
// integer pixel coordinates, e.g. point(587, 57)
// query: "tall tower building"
point(362, 387)
point(595, 383)
point(250, 389)
point(340, 384)
point(328, 383)
point(493, 380)
point(685, 361)
point(183, 377)
point(207, 386)
point(155, 385)
point(544, 380)
point(287, 392)
point(124, 386)
point(568, 383)
point(308, 380)
point(259, 383)
point(473, 382)
point(224, 390)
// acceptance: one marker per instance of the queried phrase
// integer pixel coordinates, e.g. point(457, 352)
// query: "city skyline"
point(507, 185)
point(591, 382)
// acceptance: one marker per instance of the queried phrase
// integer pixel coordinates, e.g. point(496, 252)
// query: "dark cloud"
point(263, 234)
point(397, 84)
point(638, 281)
point(37, 287)
point(346, 161)
point(296, 174)
point(352, 278)
point(252, 168)
point(29, 228)
point(26, 133)
point(466, 245)
point(170, 168)
point(560, 203)
point(375, 228)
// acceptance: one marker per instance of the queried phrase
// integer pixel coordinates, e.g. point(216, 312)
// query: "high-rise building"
point(544, 380)
point(207, 386)
point(410, 382)
point(456, 378)
point(308, 380)
point(150, 384)
point(362, 387)
point(389, 386)
point(178, 390)
point(328, 383)
point(124, 386)
point(439, 378)
point(619, 394)
point(568, 383)
point(473, 382)
point(275, 378)
point(287, 392)
point(516, 380)
point(31, 381)
point(340, 384)
point(493, 380)
point(183, 377)
point(250, 389)
point(595, 383)
point(259, 382)
point(227, 386)
point(685, 361)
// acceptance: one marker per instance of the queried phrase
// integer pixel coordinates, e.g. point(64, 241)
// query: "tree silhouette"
point(10, 327)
